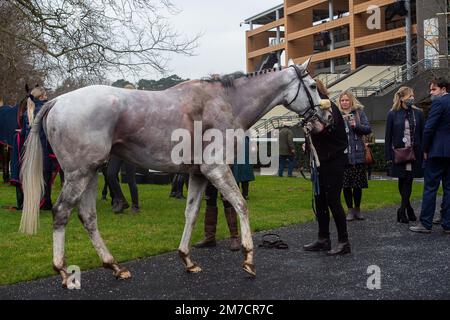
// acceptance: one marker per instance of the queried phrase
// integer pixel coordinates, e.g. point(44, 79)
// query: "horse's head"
point(302, 97)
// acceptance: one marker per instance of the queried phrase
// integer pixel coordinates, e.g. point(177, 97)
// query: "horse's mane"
point(227, 80)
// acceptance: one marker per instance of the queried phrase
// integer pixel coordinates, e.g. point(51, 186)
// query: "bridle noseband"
point(310, 113)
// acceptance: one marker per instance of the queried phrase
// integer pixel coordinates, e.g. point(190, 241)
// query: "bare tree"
point(77, 37)
point(18, 60)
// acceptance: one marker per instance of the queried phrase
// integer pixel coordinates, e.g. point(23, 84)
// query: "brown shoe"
point(210, 228)
point(231, 216)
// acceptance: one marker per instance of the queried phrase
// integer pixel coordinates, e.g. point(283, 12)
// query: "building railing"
point(273, 123)
point(377, 85)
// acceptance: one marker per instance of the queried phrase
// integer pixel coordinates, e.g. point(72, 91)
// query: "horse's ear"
point(305, 64)
point(291, 62)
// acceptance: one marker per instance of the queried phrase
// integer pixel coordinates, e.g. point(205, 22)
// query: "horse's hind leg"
point(197, 185)
point(222, 178)
point(88, 215)
point(74, 186)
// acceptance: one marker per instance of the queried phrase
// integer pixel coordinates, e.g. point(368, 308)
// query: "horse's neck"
point(259, 95)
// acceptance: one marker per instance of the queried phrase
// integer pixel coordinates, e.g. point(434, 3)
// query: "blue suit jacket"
point(436, 134)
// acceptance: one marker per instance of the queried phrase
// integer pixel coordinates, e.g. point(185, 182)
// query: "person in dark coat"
point(436, 148)
point(355, 177)
point(118, 199)
point(243, 172)
point(404, 128)
point(330, 145)
point(178, 182)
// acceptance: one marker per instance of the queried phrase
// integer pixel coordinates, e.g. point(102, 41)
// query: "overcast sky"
point(222, 46)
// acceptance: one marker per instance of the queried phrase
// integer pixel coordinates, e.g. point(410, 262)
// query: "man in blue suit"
point(436, 147)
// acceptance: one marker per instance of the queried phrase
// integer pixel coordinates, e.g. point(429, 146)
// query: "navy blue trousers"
point(436, 169)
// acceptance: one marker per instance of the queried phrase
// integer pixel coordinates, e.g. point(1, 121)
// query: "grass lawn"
point(274, 202)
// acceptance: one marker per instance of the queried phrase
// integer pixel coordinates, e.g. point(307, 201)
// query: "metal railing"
point(328, 78)
point(382, 81)
point(273, 123)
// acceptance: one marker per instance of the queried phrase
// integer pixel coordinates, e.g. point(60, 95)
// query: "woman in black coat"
point(404, 128)
point(331, 144)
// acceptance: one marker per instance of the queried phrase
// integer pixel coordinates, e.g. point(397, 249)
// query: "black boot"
point(245, 190)
point(47, 191)
point(401, 215)
point(173, 192)
point(410, 212)
point(179, 187)
point(341, 249)
point(19, 197)
point(319, 245)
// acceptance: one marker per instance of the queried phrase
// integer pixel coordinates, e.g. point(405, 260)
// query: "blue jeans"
point(282, 164)
point(436, 169)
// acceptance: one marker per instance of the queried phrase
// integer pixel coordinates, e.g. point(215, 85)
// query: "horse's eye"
point(314, 86)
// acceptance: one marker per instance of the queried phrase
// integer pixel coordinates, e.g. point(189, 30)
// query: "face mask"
point(409, 102)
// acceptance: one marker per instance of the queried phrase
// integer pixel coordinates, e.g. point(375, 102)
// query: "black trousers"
point(405, 188)
point(114, 165)
point(211, 194)
point(352, 197)
point(329, 199)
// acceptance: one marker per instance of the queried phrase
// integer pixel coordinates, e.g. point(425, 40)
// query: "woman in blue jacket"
point(355, 177)
point(404, 128)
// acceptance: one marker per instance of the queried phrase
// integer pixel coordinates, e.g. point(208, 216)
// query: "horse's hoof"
point(194, 269)
point(250, 269)
point(122, 274)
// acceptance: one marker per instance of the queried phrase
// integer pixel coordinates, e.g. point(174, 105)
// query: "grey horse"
point(87, 125)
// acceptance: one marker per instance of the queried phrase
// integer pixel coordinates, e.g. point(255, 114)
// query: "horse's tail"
point(31, 174)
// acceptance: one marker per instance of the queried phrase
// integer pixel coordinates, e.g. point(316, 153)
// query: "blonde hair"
point(355, 104)
point(129, 86)
point(321, 87)
point(402, 92)
point(36, 93)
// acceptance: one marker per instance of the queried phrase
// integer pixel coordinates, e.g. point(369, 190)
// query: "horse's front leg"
point(197, 185)
point(222, 178)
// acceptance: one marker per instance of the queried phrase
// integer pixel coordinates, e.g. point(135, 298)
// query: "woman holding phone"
point(355, 177)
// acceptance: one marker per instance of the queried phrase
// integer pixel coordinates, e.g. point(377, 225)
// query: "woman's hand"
point(352, 123)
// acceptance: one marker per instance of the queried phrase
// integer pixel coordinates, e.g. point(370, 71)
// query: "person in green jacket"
point(287, 151)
